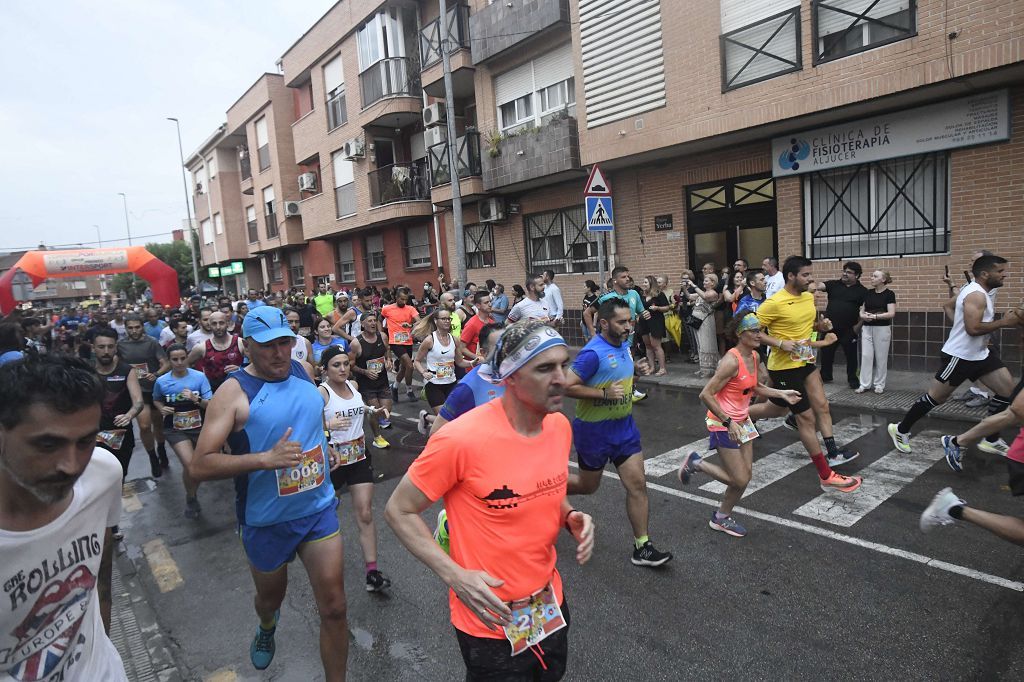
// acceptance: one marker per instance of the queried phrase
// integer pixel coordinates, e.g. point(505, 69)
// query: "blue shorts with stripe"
point(597, 443)
point(271, 547)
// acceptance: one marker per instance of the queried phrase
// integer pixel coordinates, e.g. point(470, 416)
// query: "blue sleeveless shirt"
point(265, 498)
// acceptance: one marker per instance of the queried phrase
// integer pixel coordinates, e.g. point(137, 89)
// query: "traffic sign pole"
point(597, 186)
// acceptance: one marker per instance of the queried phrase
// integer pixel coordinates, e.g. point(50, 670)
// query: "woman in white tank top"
point(344, 412)
point(436, 359)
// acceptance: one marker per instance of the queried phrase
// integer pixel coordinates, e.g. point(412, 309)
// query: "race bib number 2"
point(533, 619)
point(307, 475)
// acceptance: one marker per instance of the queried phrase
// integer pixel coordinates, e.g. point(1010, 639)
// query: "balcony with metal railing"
point(469, 168)
point(399, 182)
point(458, 36)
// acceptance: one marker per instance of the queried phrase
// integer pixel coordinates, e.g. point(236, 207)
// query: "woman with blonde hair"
point(653, 328)
point(704, 301)
point(876, 334)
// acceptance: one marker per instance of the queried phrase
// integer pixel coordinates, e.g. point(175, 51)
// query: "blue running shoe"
point(385, 423)
point(689, 468)
point(954, 456)
point(261, 651)
point(727, 525)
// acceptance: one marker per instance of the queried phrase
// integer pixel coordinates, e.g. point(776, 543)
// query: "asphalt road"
point(821, 588)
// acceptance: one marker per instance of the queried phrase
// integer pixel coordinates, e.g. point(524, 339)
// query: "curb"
point(134, 628)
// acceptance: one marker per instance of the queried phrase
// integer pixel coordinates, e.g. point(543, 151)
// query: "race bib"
point(533, 619)
point(375, 365)
point(184, 421)
point(402, 337)
point(141, 369)
point(349, 452)
point(113, 438)
point(307, 475)
point(747, 430)
point(803, 352)
point(445, 370)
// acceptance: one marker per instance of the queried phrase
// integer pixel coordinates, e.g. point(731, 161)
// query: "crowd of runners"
point(292, 400)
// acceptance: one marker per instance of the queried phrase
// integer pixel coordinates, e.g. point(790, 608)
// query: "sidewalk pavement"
point(902, 388)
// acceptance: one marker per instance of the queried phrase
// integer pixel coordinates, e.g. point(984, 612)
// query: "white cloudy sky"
point(87, 87)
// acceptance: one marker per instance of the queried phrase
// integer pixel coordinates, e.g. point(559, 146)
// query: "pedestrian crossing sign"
point(599, 214)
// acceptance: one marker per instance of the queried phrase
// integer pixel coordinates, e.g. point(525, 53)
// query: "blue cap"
point(265, 323)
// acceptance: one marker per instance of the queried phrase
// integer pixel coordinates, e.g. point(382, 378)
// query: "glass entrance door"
point(731, 219)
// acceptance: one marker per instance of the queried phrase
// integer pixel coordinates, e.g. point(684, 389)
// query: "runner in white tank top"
point(441, 360)
point(960, 344)
point(436, 360)
point(344, 411)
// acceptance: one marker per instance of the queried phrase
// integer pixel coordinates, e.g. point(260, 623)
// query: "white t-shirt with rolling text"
point(50, 624)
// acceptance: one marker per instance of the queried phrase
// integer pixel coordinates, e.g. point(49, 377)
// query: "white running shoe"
point(994, 447)
point(937, 513)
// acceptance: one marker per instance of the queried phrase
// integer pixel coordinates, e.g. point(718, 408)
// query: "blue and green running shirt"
point(600, 364)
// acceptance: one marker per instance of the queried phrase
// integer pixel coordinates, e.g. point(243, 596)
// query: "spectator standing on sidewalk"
point(845, 297)
point(876, 315)
point(554, 297)
point(589, 299)
point(774, 281)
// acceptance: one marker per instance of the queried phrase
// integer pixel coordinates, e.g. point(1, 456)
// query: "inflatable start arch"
point(40, 265)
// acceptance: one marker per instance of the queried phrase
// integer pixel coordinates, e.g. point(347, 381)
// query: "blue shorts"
point(271, 547)
point(721, 439)
point(597, 443)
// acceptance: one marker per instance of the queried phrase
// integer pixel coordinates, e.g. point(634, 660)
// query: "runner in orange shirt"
point(506, 501)
point(400, 316)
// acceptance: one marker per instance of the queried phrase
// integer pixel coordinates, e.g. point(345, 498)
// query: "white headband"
point(535, 343)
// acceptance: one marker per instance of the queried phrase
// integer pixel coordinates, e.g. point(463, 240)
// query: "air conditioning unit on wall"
point(491, 210)
point(434, 114)
point(435, 135)
point(307, 182)
point(292, 209)
point(353, 149)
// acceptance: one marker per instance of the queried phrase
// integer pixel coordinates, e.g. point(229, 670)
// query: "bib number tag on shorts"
point(184, 421)
point(402, 337)
point(307, 475)
point(375, 366)
point(803, 353)
point(141, 369)
point(533, 619)
point(445, 370)
point(747, 430)
point(349, 452)
point(113, 439)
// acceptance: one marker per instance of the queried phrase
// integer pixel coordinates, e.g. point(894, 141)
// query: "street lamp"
point(188, 206)
point(128, 226)
point(99, 240)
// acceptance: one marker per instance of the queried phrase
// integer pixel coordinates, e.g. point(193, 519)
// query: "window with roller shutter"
point(845, 27)
point(760, 40)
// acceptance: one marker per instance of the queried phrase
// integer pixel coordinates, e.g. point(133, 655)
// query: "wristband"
point(570, 512)
point(726, 422)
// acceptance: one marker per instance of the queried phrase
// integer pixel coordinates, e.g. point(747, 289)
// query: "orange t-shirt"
point(396, 317)
point(504, 498)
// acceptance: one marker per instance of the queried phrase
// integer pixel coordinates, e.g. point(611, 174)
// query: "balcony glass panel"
point(392, 77)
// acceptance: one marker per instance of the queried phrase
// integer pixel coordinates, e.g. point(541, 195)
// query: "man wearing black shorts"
point(966, 355)
point(789, 317)
point(149, 360)
point(370, 364)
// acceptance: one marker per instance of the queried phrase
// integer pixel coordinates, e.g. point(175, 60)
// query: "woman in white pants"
point(876, 334)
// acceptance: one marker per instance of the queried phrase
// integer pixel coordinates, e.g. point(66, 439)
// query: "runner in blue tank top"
point(271, 415)
point(472, 390)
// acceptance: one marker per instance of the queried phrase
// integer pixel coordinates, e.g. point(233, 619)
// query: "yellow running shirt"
point(789, 318)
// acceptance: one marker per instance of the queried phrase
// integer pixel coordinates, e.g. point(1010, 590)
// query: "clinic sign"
point(964, 122)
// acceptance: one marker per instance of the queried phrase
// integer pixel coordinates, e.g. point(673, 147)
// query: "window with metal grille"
point(346, 262)
point(559, 241)
point(886, 208)
point(761, 50)
point(845, 27)
point(417, 247)
point(479, 245)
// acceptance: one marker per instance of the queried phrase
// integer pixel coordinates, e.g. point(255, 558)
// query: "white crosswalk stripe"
point(782, 463)
point(883, 479)
point(670, 461)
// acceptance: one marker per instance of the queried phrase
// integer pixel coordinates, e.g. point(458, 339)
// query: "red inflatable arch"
point(40, 265)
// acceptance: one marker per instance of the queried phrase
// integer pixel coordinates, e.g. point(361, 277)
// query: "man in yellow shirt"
point(788, 321)
point(324, 300)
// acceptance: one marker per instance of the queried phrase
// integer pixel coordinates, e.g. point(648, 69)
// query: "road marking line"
point(164, 569)
point(883, 479)
point(222, 675)
point(782, 463)
point(670, 461)
point(848, 539)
